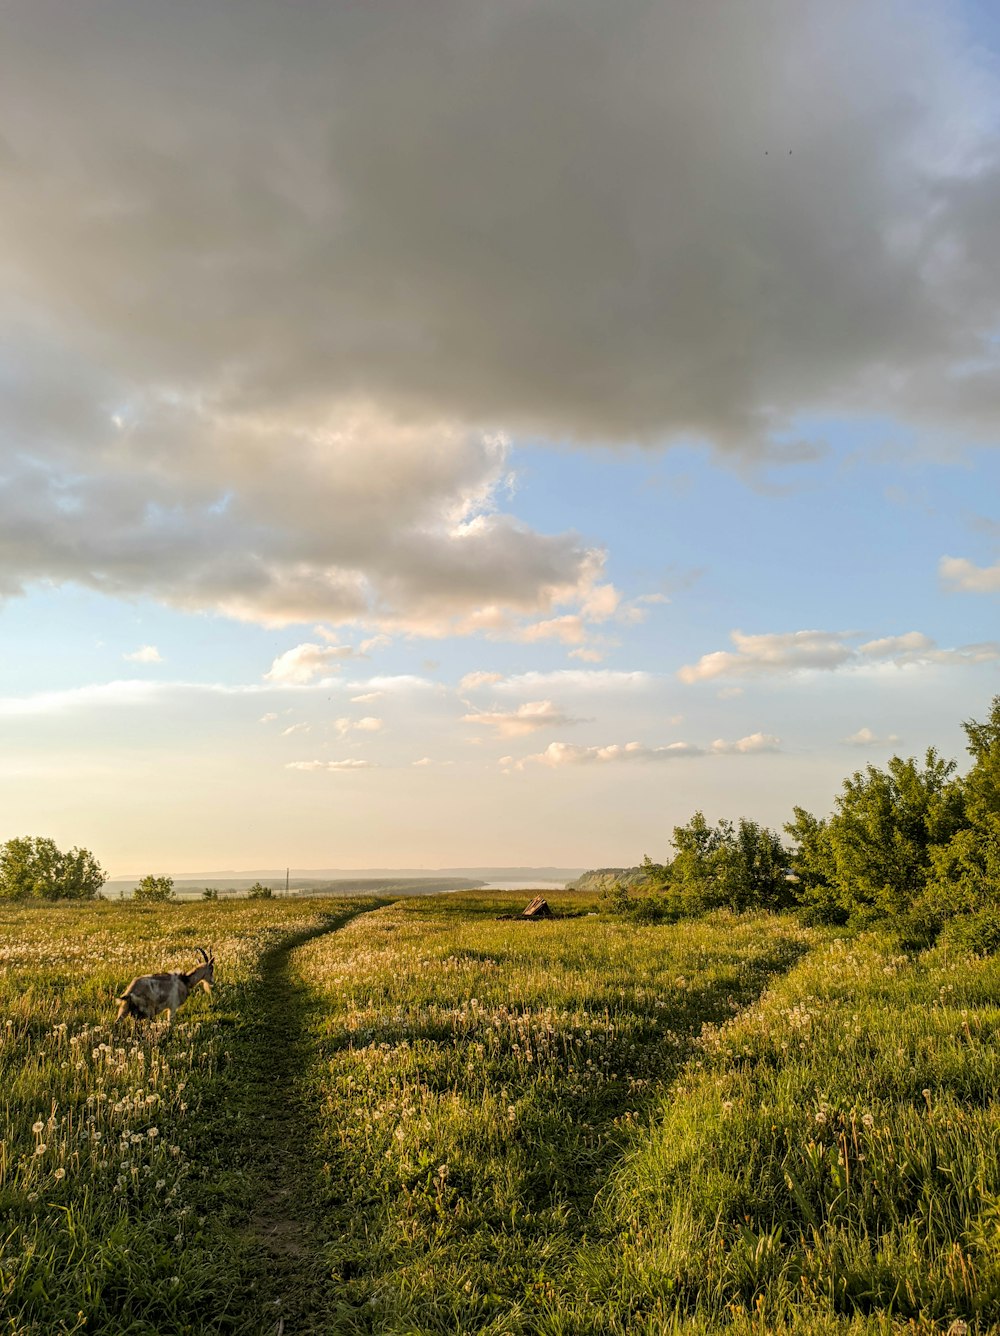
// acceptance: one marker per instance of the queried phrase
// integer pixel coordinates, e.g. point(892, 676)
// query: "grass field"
point(411, 1117)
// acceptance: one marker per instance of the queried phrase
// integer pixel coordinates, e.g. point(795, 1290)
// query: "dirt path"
point(277, 1122)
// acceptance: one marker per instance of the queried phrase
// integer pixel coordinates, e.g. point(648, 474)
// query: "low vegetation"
point(759, 1091)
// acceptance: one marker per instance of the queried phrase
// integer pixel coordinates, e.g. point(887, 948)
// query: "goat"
point(149, 994)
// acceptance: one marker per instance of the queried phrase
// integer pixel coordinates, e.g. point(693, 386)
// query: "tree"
point(885, 827)
point(751, 869)
point(153, 890)
point(34, 867)
point(260, 892)
point(741, 867)
point(967, 865)
point(813, 866)
point(210, 893)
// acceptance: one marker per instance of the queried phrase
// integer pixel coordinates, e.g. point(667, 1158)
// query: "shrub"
point(153, 890)
point(974, 934)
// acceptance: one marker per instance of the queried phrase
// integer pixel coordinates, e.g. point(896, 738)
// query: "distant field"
point(412, 1117)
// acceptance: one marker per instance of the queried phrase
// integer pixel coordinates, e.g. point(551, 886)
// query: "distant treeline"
point(913, 842)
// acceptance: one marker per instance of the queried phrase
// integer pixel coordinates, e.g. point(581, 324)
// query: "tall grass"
point(832, 1152)
point(478, 1080)
point(111, 1216)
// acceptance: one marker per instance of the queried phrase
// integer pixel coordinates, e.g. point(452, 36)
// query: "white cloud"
point(367, 697)
point(865, 737)
point(788, 652)
point(268, 718)
point(964, 575)
point(146, 654)
point(478, 679)
point(307, 661)
point(755, 742)
point(577, 680)
point(558, 754)
point(351, 763)
point(424, 760)
point(527, 718)
point(892, 647)
point(295, 728)
point(369, 724)
point(771, 653)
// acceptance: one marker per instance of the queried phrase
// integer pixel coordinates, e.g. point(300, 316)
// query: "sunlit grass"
point(478, 1080)
point(730, 1125)
point(108, 1213)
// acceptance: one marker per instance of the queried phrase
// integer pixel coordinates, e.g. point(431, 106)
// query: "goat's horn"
point(201, 952)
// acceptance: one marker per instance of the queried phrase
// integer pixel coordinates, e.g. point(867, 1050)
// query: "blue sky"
point(398, 470)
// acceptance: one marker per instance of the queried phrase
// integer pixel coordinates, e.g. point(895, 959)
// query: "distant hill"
point(610, 879)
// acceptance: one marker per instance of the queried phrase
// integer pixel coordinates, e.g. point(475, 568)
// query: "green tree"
point(741, 867)
point(34, 867)
point(154, 889)
point(885, 827)
point(210, 893)
point(258, 891)
point(813, 865)
point(967, 865)
point(751, 868)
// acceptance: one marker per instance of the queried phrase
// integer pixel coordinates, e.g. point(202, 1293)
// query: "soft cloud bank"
point(558, 754)
point(275, 279)
point(779, 653)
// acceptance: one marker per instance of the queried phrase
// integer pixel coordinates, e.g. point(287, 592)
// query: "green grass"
point(421, 1119)
point(129, 1164)
point(478, 1081)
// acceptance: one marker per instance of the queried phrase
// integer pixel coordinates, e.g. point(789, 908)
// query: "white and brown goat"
point(149, 994)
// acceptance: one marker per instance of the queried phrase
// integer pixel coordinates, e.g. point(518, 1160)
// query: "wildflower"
point(868, 1120)
point(59, 1174)
point(37, 1127)
point(41, 1148)
point(32, 1196)
point(153, 1132)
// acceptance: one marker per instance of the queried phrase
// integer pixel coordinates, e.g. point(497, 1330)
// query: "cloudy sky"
point(488, 430)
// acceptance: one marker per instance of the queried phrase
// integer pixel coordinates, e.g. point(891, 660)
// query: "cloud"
point(755, 742)
point(424, 760)
point(268, 718)
point(864, 737)
point(781, 653)
point(350, 764)
point(366, 697)
point(331, 260)
point(478, 679)
point(295, 728)
point(559, 754)
point(527, 718)
point(307, 661)
point(146, 654)
point(369, 724)
point(771, 653)
point(964, 575)
point(577, 680)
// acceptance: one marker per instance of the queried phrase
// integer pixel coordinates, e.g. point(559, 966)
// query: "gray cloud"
point(273, 276)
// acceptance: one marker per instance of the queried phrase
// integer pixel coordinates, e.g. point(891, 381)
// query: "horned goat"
point(149, 994)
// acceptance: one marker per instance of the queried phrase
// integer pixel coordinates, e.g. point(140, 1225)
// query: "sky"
point(485, 433)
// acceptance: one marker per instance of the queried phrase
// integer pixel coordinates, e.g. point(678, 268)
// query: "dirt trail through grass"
point(277, 1143)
